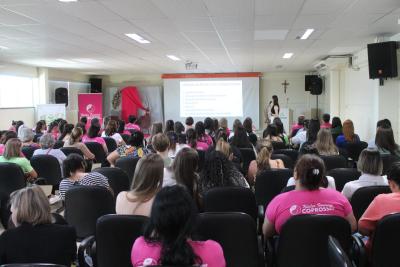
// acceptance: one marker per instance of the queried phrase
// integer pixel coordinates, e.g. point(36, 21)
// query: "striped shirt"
point(90, 179)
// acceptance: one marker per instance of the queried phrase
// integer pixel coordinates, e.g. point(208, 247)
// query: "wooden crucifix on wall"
point(285, 85)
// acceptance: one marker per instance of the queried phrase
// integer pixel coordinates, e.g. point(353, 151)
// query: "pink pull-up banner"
point(90, 106)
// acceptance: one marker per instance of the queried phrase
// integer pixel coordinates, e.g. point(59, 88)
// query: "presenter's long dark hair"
point(275, 100)
point(171, 221)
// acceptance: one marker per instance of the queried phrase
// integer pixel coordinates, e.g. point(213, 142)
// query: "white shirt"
point(172, 154)
point(364, 181)
point(300, 137)
point(168, 179)
point(117, 137)
point(57, 153)
point(331, 182)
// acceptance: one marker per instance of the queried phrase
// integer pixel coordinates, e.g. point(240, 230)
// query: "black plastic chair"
point(269, 184)
point(287, 161)
point(278, 145)
point(364, 196)
point(334, 162)
point(387, 161)
point(128, 165)
point(247, 155)
point(117, 178)
point(235, 232)
point(303, 234)
point(99, 153)
point(343, 176)
point(293, 154)
point(58, 144)
point(202, 158)
point(84, 205)
point(386, 239)
point(28, 151)
point(337, 256)
point(230, 199)
point(70, 150)
point(125, 137)
point(110, 143)
point(47, 167)
point(11, 178)
point(354, 149)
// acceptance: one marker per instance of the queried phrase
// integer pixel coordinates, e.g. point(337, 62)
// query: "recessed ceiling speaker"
point(313, 84)
point(61, 96)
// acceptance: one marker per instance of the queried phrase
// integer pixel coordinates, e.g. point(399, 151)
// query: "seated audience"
point(325, 119)
point(337, 128)
point(147, 181)
point(385, 143)
point(271, 134)
point(248, 126)
point(35, 238)
point(348, 135)
point(132, 124)
point(236, 124)
point(299, 125)
point(134, 148)
point(201, 134)
point(169, 126)
point(281, 130)
point(301, 135)
point(218, 171)
point(223, 139)
point(324, 143)
point(174, 145)
point(312, 132)
point(179, 129)
point(74, 141)
point(185, 168)
point(155, 129)
point(112, 131)
point(7, 135)
point(382, 205)
point(263, 161)
point(241, 139)
point(13, 126)
point(74, 172)
point(167, 237)
point(66, 133)
point(83, 120)
point(93, 136)
point(193, 142)
point(161, 144)
point(121, 128)
point(189, 123)
point(26, 138)
point(46, 148)
point(83, 128)
point(209, 127)
point(53, 129)
point(40, 129)
point(12, 154)
point(385, 123)
point(370, 165)
point(308, 173)
point(223, 123)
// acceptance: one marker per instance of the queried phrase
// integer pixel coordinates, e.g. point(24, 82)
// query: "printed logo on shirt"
point(311, 209)
point(295, 210)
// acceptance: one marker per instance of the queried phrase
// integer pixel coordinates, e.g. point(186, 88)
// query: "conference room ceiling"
point(218, 35)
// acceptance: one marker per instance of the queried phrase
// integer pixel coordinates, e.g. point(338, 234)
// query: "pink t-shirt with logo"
point(147, 254)
point(132, 126)
point(299, 202)
point(99, 140)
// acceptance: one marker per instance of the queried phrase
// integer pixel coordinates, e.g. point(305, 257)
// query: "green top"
point(336, 130)
point(22, 162)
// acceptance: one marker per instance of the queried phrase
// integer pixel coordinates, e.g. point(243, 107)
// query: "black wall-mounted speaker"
point(61, 96)
point(313, 84)
point(382, 60)
point(95, 85)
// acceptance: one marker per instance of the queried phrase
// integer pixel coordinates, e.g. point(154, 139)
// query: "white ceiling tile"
point(10, 18)
point(273, 7)
point(325, 6)
point(283, 21)
point(270, 35)
point(174, 9)
point(134, 9)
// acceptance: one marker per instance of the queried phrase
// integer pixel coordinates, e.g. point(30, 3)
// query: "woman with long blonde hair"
point(324, 143)
point(348, 135)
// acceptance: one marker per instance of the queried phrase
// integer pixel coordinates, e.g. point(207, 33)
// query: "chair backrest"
point(110, 143)
point(248, 155)
point(58, 144)
point(334, 162)
point(98, 151)
point(125, 137)
point(230, 199)
point(117, 178)
point(278, 145)
point(303, 234)
point(293, 154)
point(386, 239)
point(286, 160)
point(354, 149)
point(70, 150)
point(387, 161)
point(235, 232)
point(343, 176)
point(11, 178)
point(337, 256)
point(84, 205)
point(270, 183)
point(28, 151)
point(47, 167)
point(202, 158)
point(363, 196)
point(115, 235)
point(128, 165)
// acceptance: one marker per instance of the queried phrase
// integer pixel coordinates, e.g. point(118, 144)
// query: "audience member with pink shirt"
point(93, 136)
point(167, 237)
point(325, 121)
point(193, 142)
point(201, 134)
point(299, 125)
point(131, 125)
point(307, 198)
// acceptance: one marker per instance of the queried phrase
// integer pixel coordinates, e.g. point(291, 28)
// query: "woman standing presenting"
point(272, 110)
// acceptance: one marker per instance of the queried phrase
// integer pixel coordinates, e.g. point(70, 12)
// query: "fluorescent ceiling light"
point(174, 58)
point(68, 1)
point(307, 34)
point(65, 61)
point(137, 38)
point(4, 47)
point(87, 60)
point(287, 55)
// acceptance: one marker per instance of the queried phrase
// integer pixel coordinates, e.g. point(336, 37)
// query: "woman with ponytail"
point(166, 239)
point(74, 140)
point(263, 160)
point(307, 198)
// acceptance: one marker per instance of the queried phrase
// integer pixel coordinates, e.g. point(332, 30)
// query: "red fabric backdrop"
point(130, 102)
